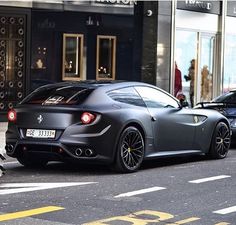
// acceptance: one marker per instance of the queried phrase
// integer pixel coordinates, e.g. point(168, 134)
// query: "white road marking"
point(27, 187)
point(11, 162)
point(139, 192)
point(226, 210)
point(209, 179)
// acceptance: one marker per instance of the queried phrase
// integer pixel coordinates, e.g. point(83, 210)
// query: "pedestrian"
point(191, 77)
point(178, 80)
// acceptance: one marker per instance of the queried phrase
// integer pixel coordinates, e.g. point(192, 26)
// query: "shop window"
point(72, 56)
point(106, 57)
point(229, 81)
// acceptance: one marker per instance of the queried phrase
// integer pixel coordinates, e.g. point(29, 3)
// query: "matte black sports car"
point(225, 104)
point(110, 122)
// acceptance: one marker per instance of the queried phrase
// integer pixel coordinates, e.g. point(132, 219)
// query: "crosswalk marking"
point(226, 210)
point(209, 179)
point(138, 192)
point(27, 213)
point(222, 223)
point(13, 188)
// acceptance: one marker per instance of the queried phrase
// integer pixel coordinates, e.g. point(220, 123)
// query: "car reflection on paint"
point(225, 104)
point(110, 122)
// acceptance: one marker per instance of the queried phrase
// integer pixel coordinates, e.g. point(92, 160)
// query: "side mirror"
point(183, 103)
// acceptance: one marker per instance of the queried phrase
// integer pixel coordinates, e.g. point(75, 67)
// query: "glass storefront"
point(195, 50)
point(185, 53)
point(229, 78)
point(206, 66)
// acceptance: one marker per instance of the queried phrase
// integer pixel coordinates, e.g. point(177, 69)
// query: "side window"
point(127, 95)
point(154, 98)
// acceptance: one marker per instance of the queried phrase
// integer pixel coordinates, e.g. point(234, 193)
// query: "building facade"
point(44, 42)
point(196, 36)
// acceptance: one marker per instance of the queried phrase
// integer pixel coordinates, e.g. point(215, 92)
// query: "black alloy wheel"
point(130, 150)
point(220, 141)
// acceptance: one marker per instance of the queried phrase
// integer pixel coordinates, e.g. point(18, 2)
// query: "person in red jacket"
point(178, 80)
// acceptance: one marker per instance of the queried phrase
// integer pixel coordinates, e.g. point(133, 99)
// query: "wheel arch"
point(212, 133)
point(221, 120)
point(210, 152)
point(122, 162)
point(129, 124)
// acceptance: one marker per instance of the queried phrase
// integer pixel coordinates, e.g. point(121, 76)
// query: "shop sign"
point(200, 6)
point(231, 8)
point(46, 24)
point(117, 2)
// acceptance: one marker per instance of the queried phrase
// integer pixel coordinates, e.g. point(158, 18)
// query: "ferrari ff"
point(110, 122)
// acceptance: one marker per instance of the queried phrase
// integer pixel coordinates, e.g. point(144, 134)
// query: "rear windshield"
point(229, 97)
point(68, 95)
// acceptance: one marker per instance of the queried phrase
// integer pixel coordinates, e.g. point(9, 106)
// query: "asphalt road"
point(165, 191)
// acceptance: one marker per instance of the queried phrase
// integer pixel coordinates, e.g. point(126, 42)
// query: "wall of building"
point(43, 27)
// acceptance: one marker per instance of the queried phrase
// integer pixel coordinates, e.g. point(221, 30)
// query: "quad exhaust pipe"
point(88, 152)
point(78, 152)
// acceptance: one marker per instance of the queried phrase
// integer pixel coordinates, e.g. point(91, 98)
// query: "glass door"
point(205, 68)
point(185, 64)
point(194, 65)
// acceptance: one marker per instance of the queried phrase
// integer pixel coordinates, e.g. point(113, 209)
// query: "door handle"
point(153, 118)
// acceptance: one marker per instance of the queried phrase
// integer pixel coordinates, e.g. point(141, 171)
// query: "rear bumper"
point(97, 147)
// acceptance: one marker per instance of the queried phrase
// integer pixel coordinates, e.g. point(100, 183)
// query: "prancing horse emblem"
point(40, 118)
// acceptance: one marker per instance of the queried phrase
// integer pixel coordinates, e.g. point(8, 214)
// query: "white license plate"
point(37, 133)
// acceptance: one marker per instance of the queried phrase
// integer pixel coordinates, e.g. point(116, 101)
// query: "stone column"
point(154, 42)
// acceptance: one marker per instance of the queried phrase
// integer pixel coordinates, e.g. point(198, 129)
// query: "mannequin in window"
point(205, 89)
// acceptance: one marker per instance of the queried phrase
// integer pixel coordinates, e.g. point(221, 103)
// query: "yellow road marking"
point(27, 213)
point(185, 221)
point(137, 218)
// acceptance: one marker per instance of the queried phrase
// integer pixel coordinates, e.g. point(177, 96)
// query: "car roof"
point(94, 84)
point(90, 83)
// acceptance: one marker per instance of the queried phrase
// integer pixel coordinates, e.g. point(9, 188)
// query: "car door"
point(173, 126)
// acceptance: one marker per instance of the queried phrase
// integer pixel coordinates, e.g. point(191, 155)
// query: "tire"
point(130, 150)
point(31, 162)
point(220, 142)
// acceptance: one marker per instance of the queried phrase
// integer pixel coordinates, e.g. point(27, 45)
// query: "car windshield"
point(54, 95)
point(229, 97)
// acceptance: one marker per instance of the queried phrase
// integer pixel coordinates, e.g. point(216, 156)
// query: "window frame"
point(78, 75)
point(113, 60)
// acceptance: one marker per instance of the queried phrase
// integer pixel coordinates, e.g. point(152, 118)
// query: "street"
point(192, 190)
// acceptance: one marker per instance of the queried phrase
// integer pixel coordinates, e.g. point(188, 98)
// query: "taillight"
point(11, 115)
point(87, 118)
